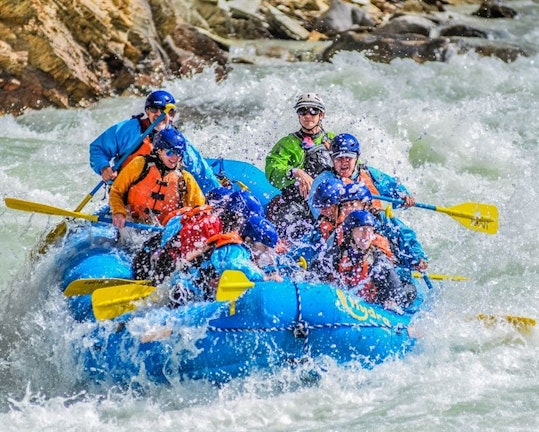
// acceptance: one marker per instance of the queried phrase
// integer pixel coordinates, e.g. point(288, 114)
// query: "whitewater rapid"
point(453, 132)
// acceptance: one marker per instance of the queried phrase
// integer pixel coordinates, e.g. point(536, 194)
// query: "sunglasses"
point(172, 152)
point(155, 110)
point(311, 111)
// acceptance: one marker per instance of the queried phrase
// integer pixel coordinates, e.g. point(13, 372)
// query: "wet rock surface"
point(68, 53)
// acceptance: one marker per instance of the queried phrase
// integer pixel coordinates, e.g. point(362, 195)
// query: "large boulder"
point(70, 52)
point(493, 9)
point(405, 24)
point(385, 48)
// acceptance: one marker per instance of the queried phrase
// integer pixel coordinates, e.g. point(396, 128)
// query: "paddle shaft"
point(435, 276)
point(132, 148)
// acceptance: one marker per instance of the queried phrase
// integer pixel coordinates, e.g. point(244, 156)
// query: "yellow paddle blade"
point(435, 276)
point(34, 207)
point(114, 301)
point(522, 324)
point(233, 283)
point(88, 286)
point(475, 216)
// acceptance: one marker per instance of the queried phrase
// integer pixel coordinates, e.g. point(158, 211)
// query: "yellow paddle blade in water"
point(522, 324)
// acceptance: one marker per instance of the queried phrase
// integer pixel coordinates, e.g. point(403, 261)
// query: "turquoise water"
point(454, 132)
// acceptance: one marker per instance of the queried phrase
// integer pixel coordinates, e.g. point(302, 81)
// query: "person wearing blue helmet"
point(355, 196)
point(345, 152)
point(122, 140)
point(261, 237)
point(239, 207)
point(292, 164)
point(152, 186)
point(363, 264)
point(326, 198)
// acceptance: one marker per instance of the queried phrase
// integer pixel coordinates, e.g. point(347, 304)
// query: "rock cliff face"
point(66, 53)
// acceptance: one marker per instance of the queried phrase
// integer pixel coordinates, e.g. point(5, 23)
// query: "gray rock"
point(289, 28)
point(488, 48)
point(341, 17)
point(462, 31)
point(384, 49)
point(407, 24)
point(492, 9)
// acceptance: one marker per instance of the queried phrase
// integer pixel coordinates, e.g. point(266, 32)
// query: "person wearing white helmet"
point(292, 164)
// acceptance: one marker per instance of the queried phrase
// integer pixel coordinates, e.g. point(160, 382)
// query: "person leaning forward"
point(292, 164)
point(118, 140)
point(152, 186)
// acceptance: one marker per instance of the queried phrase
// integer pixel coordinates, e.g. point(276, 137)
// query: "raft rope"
point(301, 328)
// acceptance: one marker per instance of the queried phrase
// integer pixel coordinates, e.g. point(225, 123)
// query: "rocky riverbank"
point(69, 53)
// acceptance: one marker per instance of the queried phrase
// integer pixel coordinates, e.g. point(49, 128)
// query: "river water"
point(462, 131)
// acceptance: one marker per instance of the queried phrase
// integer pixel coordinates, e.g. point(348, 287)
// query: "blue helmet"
point(259, 229)
point(170, 138)
point(219, 196)
point(357, 219)
point(345, 145)
point(328, 193)
point(356, 192)
point(245, 203)
point(159, 99)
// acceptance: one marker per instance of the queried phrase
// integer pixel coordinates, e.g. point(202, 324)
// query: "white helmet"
point(310, 100)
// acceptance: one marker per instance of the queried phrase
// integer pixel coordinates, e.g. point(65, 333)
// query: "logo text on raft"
point(480, 223)
point(358, 310)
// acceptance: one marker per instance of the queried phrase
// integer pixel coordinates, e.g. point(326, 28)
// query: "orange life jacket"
point(358, 276)
point(383, 244)
point(144, 149)
point(326, 228)
point(178, 212)
point(354, 275)
point(155, 194)
point(367, 179)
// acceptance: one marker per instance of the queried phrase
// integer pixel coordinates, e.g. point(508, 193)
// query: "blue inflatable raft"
point(270, 325)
